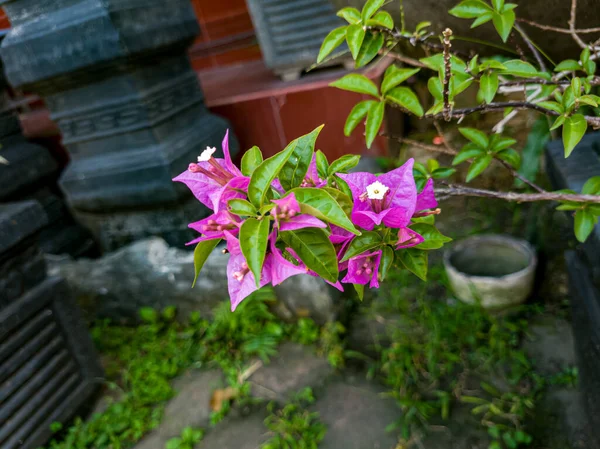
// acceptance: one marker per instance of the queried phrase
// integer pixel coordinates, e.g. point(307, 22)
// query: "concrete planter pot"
point(498, 271)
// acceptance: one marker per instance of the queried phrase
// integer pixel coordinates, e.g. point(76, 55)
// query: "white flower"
point(206, 154)
point(376, 191)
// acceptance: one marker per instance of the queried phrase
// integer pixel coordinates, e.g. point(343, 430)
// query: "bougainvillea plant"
point(295, 213)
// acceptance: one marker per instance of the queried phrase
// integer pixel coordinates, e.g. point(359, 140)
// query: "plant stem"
point(460, 190)
point(557, 29)
point(447, 74)
point(532, 48)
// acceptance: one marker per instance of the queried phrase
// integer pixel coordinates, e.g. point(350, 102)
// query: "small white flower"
point(206, 154)
point(376, 191)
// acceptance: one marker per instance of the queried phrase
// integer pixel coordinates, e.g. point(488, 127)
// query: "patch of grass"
point(141, 361)
point(449, 353)
point(293, 426)
point(188, 439)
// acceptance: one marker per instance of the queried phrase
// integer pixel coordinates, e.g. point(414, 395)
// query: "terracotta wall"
point(227, 34)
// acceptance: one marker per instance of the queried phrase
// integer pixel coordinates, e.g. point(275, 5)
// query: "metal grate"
point(290, 32)
point(47, 365)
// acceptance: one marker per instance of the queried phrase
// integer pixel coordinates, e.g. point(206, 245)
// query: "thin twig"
point(533, 81)
point(460, 190)
point(532, 48)
point(572, 24)
point(460, 113)
point(447, 73)
point(558, 29)
point(404, 59)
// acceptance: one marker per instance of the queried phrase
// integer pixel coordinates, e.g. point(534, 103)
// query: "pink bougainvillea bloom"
point(288, 217)
point(210, 174)
point(389, 198)
point(240, 280)
point(426, 199)
point(236, 188)
point(214, 226)
point(364, 269)
point(407, 238)
point(311, 179)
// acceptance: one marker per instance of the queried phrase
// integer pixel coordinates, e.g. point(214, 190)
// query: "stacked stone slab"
point(31, 173)
point(48, 366)
point(118, 83)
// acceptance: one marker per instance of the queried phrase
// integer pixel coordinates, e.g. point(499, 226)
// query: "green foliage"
point(501, 14)
point(443, 349)
point(431, 170)
point(254, 236)
point(188, 439)
point(250, 160)
point(315, 249)
point(201, 253)
point(293, 426)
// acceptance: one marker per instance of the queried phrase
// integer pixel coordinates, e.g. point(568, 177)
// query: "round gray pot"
point(495, 270)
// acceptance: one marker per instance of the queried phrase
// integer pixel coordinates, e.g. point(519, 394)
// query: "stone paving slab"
point(356, 415)
point(294, 368)
point(237, 433)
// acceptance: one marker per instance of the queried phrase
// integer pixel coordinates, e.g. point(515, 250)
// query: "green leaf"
point(591, 186)
point(201, 253)
point(499, 143)
point(472, 66)
point(322, 164)
point(358, 112)
point(370, 8)
point(342, 198)
point(468, 152)
point(484, 18)
point(266, 172)
point(319, 203)
point(351, 15)
point(503, 22)
point(369, 48)
point(148, 314)
point(478, 166)
point(434, 239)
point(552, 105)
point(333, 40)
point(520, 68)
point(360, 290)
point(584, 224)
point(355, 34)
point(250, 160)
point(432, 165)
point(435, 88)
point(568, 100)
point(415, 261)
point(294, 170)
point(479, 138)
point(422, 25)
point(357, 83)
point(174, 443)
point(589, 100)
point(314, 249)
point(241, 207)
point(394, 76)
point(344, 163)
point(405, 97)
point(382, 18)
point(470, 9)
point(491, 64)
point(343, 186)
point(576, 86)
point(498, 5)
point(489, 86)
point(560, 120)
point(361, 244)
point(511, 157)
point(387, 260)
point(573, 130)
point(590, 67)
point(374, 121)
point(441, 173)
point(567, 65)
point(254, 236)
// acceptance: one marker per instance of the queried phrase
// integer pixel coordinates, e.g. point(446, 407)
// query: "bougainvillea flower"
point(407, 238)
point(364, 269)
point(236, 188)
point(288, 217)
point(389, 198)
point(282, 268)
point(210, 174)
point(311, 179)
point(214, 226)
point(240, 280)
point(426, 198)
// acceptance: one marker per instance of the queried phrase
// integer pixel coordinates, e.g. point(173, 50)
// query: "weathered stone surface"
point(550, 344)
point(356, 416)
point(147, 273)
point(190, 407)
point(307, 296)
point(235, 433)
point(294, 368)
